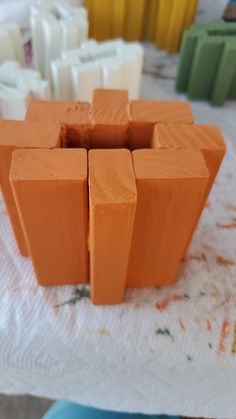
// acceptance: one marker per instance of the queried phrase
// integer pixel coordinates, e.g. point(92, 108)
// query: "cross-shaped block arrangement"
point(108, 193)
point(207, 68)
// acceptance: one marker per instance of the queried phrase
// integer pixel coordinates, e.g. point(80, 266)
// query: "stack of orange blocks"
point(109, 193)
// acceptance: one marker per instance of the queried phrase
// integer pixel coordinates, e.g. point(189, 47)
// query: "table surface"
point(164, 350)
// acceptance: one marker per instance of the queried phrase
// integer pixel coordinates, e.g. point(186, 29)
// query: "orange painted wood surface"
point(109, 119)
point(50, 188)
point(73, 115)
point(170, 186)
point(206, 138)
point(144, 114)
point(112, 198)
point(15, 135)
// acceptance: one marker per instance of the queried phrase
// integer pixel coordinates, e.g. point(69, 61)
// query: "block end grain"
point(72, 114)
point(144, 114)
point(109, 118)
point(30, 134)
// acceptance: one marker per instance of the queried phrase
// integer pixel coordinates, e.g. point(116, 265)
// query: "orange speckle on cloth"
point(209, 327)
point(222, 261)
point(182, 325)
point(230, 225)
point(103, 332)
point(163, 304)
point(230, 207)
point(223, 336)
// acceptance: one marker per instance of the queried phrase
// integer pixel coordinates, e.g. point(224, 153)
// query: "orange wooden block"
point(15, 135)
point(50, 188)
point(112, 195)
point(109, 118)
point(170, 186)
point(144, 114)
point(206, 138)
point(73, 115)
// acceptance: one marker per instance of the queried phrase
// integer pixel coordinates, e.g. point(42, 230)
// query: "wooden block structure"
point(207, 68)
point(17, 87)
point(144, 114)
point(112, 203)
point(109, 64)
point(74, 117)
point(19, 135)
point(109, 124)
point(50, 189)
point(160, 21)
point(150, 170)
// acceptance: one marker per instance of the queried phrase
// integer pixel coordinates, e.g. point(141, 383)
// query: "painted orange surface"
point(144, 114)
point(112, 200)
point(15, 135)
point(50, 188)
point(109, 119)
point(73, 115)
point(206, 138)
point(170, 186)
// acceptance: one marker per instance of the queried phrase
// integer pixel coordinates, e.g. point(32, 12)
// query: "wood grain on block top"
point(109, 118)
point(73, 115)
point(15, 135)
point(170, 185)
point(206, 138)
point(144, 114)
point(112, 197)
point(50, 188)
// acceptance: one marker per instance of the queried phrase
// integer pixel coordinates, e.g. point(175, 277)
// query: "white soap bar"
point(56, 27)
point(17, 86)
point(110, 64)
point(13, 102)
point(112, 72)
point(86, 78)
point(62, 81)
point(11, 47)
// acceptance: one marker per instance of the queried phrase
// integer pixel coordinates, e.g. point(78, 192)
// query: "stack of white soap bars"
point(11, 47)
point(111, 64)
point(17, 87)
point(56, 27)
